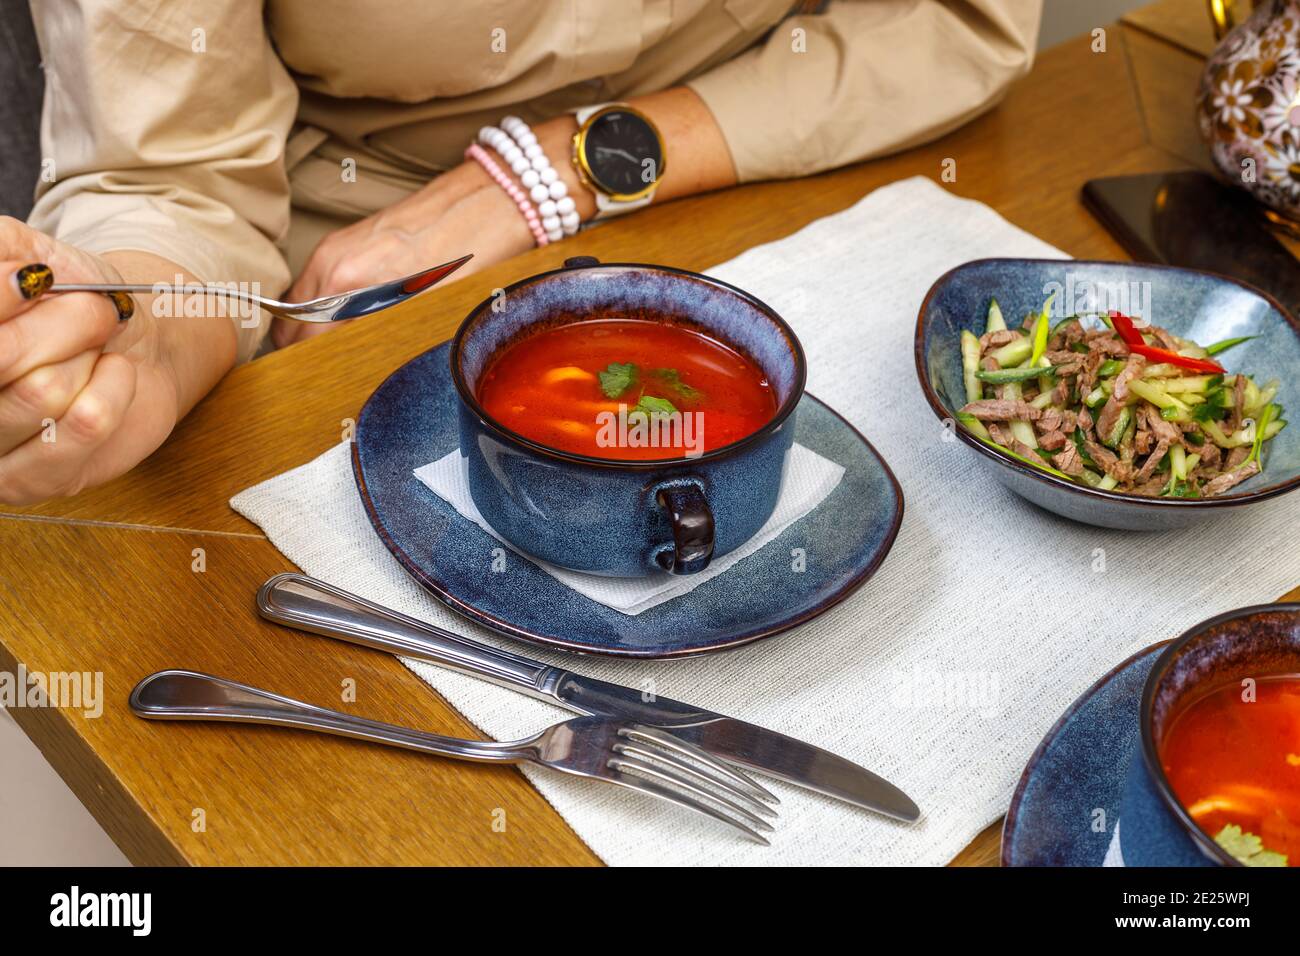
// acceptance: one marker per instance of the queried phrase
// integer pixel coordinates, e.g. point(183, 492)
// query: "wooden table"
point(107, 581)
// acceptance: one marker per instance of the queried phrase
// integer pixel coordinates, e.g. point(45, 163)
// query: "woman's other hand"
point(465, 211)
point(461, 211)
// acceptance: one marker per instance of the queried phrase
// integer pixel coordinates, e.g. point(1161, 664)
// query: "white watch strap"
point(607, 207)
point(584, 113)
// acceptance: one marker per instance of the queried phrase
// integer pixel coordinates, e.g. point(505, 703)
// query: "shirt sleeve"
point(163, 131)
point(865, 78)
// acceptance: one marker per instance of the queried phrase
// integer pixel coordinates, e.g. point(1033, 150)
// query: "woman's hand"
point(465, 211)
point(461, 211)
point(84, 396)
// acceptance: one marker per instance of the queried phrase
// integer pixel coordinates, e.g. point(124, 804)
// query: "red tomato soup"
point(1234, 763)
point(626, 389)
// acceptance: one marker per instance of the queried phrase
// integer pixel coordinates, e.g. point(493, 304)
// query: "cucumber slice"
point(1022, 374)
point(970, 366)
point(1198, 384)
point(1025, 432)
point(995, 322)
point(1013, 353)
point(974, 425)
point(1156, 395)
point(1178, 463)
point(1041, 327)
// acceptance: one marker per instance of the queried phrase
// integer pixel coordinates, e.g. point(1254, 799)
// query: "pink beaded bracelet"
point(480, 156)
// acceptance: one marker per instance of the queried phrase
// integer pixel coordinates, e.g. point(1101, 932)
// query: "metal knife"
point(308, 604)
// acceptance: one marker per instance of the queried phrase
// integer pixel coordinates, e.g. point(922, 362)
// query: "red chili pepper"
point(1133, 339)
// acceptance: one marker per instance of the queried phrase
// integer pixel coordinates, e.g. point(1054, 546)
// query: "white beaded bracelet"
point(517, 144)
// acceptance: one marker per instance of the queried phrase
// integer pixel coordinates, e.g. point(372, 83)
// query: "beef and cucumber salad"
point(1116, 405)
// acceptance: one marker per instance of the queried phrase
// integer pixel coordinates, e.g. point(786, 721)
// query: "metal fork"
point(329, 308)
point(623, 752)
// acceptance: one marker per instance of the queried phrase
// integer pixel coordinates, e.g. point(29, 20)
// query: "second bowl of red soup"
point(624, 419)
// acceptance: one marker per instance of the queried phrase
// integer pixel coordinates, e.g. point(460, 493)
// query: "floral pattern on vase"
point(1249, 106)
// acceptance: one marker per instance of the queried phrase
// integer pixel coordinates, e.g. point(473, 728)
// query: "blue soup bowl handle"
point(692, 520)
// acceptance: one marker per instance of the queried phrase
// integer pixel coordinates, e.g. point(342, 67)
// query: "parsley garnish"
point(617, 379)
point(671, 378)
point(650, 405)
point(1247, 848)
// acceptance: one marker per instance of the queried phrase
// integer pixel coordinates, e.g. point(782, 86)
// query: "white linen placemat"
point(808, 479)
point(943, 672)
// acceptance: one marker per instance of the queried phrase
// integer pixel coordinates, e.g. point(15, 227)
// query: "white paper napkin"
point(808, 479)
point(941, 674)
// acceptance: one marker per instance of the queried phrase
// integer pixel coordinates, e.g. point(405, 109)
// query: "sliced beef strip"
point(1151, 487)
point(1165, 340)
point(1069, 362)
point(1020, 448)
point(1236, 457)
point(1106, 459)
point(1149, 466)
point(1001, 410)
point(998, 433)
point(1163, 430)
point(1065, 335)
point(1088, 374)
point(1216, 486)
point(1112, 347)
point(1051, 420)
point(1109, 415)
point(1052, 440)
point(1068, 460)
point(1210, 455)
point(995, 340)
point(1084, 419)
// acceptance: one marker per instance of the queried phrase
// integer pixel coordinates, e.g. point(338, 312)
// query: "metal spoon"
point(330, 308)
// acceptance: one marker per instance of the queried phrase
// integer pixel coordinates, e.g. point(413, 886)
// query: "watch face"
point(623, 153)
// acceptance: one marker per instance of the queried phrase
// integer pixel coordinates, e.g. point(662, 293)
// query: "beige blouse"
point(188, 128)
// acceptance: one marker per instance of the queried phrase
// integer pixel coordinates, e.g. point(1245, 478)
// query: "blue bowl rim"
point(1218, 501)
point(1018, 796)
point(1151, 756)
point(508, 435)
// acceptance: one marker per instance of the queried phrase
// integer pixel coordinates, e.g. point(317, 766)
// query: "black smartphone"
point(1191, 219)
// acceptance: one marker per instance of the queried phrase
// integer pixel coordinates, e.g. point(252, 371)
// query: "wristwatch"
point(619, 156)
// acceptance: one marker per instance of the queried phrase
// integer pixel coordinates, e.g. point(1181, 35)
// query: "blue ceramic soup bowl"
point(1200, 306)
point(625, 518)
point(1155, 829)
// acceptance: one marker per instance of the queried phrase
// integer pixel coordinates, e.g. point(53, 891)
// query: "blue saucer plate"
point(410, 421)
point(1066, 805)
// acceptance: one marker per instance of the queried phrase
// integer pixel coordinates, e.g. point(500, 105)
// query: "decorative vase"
point(1249, 103)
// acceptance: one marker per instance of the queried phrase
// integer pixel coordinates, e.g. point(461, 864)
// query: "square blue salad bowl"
point(1198, 306)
